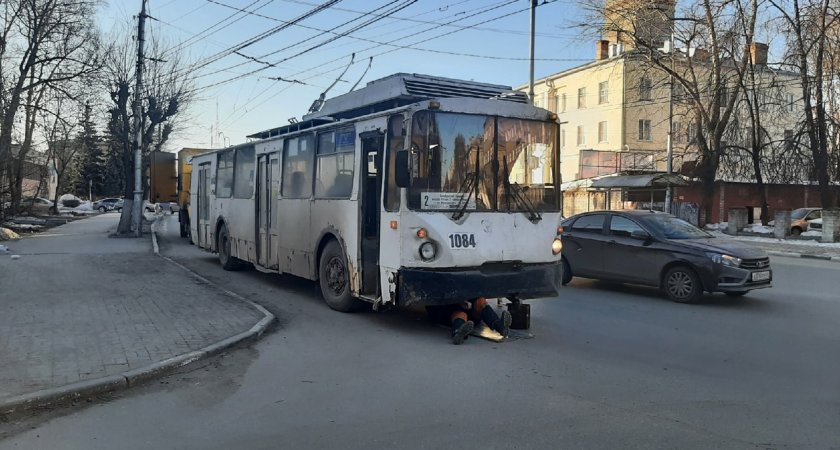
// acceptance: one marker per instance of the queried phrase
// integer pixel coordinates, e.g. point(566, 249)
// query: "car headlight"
point(726, 260)
point(556, 246)
point(427, 250)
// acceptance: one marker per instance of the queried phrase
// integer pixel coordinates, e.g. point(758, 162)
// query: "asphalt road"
point(610, 366)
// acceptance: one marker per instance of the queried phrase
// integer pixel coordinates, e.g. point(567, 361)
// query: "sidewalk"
point(793, 248)
point(82, 313)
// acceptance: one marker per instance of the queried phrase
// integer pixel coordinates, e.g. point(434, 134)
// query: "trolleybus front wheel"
point(334, 279)
point(228, 262)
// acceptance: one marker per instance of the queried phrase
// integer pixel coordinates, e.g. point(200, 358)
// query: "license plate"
point(462, 240)
point(761, 276)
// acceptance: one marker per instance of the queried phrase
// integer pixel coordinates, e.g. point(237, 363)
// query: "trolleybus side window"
point(224, 174)
point(396, 142)
point(297, 167)
point(334, 170)
point(243, 180)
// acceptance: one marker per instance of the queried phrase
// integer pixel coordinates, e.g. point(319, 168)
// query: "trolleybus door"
point(268, 172)
point(372, 150)
point(263, 210)
point(203, 207)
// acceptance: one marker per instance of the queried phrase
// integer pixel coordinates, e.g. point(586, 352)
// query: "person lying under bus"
point(462, 318)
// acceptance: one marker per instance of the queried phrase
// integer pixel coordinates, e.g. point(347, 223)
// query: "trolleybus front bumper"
point(492, 280)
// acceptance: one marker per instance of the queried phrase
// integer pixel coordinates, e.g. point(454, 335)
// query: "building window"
point(562, 138)
point(789, 102)
point(563, 102)
point(645, 88)
point(678, 91)
point(644, 130)
point(602, 131)
point(691, 132)
point(603, 92)
point(581, 136)
point(676, 133)
point(582, 98)
point(788, 140)
point(593, 163)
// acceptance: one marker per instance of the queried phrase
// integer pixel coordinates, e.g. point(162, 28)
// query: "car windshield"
point(455, 163)
point(674, 228)
point(799, 213)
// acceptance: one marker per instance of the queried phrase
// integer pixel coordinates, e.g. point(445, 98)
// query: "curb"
point(130, 378)
point(804, 255)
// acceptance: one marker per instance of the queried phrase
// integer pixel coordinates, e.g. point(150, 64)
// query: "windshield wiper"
point(469, 186)
point(518, 193)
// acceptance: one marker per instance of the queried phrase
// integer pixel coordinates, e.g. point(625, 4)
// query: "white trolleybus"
point(413, 190)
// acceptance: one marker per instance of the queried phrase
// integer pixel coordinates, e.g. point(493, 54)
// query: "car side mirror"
point(641, 235)
point(401, 174)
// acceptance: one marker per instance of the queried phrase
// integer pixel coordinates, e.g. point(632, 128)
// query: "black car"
point(657, 249)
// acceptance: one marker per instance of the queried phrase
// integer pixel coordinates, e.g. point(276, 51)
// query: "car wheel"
point(334, 279)
point(682, 285)
point(737, 293)
point(223, 245)
point(795, 231)
point(567, 272)
point(102, 209)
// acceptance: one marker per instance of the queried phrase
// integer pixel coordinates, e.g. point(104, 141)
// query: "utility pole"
point(137, 208)
point(669, 157)
point(533, 25)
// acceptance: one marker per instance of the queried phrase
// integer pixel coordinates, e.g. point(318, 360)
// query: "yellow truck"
point(184, 173)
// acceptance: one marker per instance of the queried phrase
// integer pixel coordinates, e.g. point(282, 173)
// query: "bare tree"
point(810, 26)
point(59, 132)
point(44, 44)
point(168, 93)
point(707, 66)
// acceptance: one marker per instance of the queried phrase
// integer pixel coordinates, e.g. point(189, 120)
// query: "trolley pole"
point(533, 26)
point(137, 208)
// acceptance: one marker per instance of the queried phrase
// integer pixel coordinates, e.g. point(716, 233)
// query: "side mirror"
point(641, 235)
point(401, 173)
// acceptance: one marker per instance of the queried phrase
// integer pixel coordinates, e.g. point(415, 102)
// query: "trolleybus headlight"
point(427, 250)
point(556, 247)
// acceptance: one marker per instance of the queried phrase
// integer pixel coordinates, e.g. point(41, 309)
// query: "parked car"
point(801, 217)
point(36, 205)
point(657, 249)
point(107, 204)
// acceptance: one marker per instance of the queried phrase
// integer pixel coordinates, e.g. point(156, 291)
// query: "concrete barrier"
point(781, 227)
point(830, 225)
point(737, 220)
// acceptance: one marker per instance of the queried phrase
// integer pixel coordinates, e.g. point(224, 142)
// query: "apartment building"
point(616, 113)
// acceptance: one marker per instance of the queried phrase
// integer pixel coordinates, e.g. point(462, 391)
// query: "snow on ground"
point(717, 226)
point(767, 240)
point(812, 233)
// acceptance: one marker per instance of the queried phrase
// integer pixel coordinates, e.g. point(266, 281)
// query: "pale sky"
point(494, 52)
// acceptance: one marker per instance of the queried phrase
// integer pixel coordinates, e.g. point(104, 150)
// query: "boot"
point(500, 324)
point(461, 329)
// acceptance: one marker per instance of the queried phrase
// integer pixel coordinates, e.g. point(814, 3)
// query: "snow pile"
point(759, 229)
point(812, 233)
point(3, 249)
point(717, 226)
point(8, 235)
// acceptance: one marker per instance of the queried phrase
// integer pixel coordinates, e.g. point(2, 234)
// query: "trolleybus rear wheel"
point(334, 279)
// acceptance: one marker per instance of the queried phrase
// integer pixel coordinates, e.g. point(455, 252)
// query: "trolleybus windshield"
point(482, 163)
